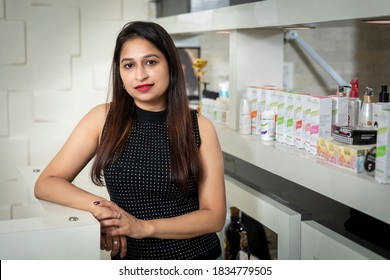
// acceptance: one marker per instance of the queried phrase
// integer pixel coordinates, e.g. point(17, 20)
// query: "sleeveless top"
point(138, 183)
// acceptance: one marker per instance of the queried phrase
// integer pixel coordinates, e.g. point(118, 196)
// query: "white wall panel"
point(52, 73)
point(98, 41)
point(12, 193)
point(54, 31)
point(3, 113)
point(135, 10)
point(17, 9)
point(1, 9)
point(55, 106)
point(12, 43)
point(46, 139)
point(81, 74)
point(20, 114)
point(14, 152)
point(101, 77)
point(101, 9)
point(14, 77)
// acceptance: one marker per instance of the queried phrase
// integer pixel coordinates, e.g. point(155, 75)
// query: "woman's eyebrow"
point(145, 56)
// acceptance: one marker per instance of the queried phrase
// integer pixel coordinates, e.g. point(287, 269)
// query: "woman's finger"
point(123, 246)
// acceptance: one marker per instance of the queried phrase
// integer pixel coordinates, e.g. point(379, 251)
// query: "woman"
point(161, 162)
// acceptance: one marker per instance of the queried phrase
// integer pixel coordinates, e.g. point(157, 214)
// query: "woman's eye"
point(151, 62)
point(128, 65)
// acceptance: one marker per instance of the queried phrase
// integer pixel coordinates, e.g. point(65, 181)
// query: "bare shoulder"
point(93, 121)
point(97, 115)
point(205, 125)
point(207, 131)
point(99, 111)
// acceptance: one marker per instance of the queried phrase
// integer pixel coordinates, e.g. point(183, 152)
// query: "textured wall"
point(55, 58)
point(353, 49)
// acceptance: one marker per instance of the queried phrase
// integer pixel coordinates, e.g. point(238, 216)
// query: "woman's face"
point(145, 74)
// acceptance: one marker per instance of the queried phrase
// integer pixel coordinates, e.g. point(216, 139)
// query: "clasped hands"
point(116, 224)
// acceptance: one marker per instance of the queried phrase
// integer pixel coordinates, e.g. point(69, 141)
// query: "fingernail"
point(96, 202)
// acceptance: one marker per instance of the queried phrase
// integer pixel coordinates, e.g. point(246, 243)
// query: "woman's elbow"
point(220, 221)
point(39, 189)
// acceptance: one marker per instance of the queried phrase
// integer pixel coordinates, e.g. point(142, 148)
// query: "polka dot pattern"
point(138, 183)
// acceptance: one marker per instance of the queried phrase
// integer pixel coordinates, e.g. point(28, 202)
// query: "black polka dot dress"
point(138, 183)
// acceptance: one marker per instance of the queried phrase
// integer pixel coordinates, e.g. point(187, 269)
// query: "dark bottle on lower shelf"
point(233, 235)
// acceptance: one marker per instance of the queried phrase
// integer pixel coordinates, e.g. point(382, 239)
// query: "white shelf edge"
point(358, 191)
point(273, 14)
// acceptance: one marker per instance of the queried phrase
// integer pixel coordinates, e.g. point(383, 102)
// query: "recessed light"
point(298, 27)
point(377, 21)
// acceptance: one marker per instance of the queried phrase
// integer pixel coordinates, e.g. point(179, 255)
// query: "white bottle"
point(245, 116)
point(267, 127)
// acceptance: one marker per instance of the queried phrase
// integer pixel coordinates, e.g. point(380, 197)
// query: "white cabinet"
point(282, 220)
point(42, 230)
point(321, 243)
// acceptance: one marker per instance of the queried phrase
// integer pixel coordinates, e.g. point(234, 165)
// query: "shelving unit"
point(358, 191)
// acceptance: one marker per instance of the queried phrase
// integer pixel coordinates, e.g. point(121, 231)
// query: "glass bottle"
point(243, 253)
point(232, 234)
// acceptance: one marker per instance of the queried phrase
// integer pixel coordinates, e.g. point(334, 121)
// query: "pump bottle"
point(383, 103)
point(354, 103)
point(365, 116)
point(245, 116)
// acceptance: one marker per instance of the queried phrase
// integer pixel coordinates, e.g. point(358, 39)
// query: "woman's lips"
point(144, 87)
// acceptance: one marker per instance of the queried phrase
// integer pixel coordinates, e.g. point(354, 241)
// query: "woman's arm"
point(212, 200)
point(54, 183)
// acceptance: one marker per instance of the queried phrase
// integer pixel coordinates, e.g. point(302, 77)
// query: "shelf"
point(358, 191)
point(273, 14)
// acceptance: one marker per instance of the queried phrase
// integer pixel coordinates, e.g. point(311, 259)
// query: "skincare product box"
point(251, 93)
point(288, 127)
point(306, 121)
point(354, 135)
point(340, 110)
point(271, 99)
point(377, 107)
point(332, 153)
point(298, 129)
point(348, 157)
point(321, 147)
point(352, 157)
point(382, 162)
point(321, 118)
point(263, 96)
point(280, 137)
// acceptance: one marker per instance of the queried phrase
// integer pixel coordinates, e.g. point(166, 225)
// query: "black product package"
point(354, 135)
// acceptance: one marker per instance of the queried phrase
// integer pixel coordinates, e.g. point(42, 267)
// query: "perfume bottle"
point(383, 103)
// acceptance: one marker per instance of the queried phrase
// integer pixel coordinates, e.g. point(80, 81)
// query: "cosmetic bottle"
point(268, 125)
point(365, 116)
point(384, 95)
point(245, 116)
point(341, 92)
point(383, 103)
point(354, 103)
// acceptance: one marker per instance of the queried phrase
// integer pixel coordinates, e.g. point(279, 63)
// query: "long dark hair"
point(184, 154)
